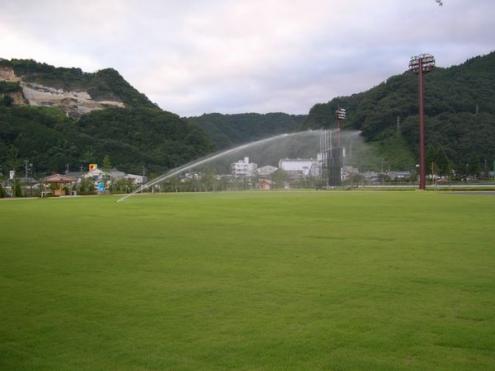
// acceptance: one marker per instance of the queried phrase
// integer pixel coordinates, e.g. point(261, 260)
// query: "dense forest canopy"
point(226, 131)
point(131, 138)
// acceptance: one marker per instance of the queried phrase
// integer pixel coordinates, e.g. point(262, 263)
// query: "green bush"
point(17, 189)
point(86, 186)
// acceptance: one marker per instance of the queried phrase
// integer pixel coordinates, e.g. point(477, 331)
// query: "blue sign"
point(100, 187)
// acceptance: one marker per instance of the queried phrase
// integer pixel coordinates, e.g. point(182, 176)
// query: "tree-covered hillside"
point(229, 130)
point(158, 138)
point(140, 135)
point(460, 122)
point(132, 138)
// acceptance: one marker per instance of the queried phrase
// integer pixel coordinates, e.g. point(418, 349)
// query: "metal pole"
point(422, 173)
point(26, 162)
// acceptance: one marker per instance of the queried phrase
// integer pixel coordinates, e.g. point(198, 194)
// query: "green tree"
point(86, 186)
point(13, 161)
point(2, 191)
point(7, 100)
point(107, 164)
point(279, 178)
point(17, 188)
point(122, 186)
point(208, 180)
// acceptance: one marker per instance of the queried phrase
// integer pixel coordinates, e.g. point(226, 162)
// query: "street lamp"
point(422, 64)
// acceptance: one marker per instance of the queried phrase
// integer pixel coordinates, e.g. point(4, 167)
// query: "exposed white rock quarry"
point(74, 103)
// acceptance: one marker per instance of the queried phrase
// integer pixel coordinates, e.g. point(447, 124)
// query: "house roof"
point(58, 178)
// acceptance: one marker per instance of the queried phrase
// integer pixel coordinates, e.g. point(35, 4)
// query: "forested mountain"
point(58, 116)
point(460, 117)
point(229, 130)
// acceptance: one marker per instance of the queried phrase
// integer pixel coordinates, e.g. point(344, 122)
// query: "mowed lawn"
point(251, 281)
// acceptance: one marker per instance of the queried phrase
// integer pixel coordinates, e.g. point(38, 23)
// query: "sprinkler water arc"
point(191, 165)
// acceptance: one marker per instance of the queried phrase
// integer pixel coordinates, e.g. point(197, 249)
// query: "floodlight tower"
point(335, 153)
point(341, 116)
point(422, 64)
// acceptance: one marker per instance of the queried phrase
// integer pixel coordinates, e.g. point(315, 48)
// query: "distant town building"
point(372, 177)
point(398, 175)
point(95, 173)
point(75, 174)
point(116, 174)
point(137, 179)
point(266, 170)
point(243, 168)
point(300, 167)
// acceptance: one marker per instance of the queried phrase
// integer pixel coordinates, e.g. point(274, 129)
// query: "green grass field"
point(252, 281)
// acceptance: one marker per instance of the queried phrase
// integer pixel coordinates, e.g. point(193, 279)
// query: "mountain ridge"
point(460, 117)
point(459, 107)
point(228, 130)
point(56, 117)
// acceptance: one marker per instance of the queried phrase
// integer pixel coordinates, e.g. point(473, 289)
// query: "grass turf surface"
point(303, 280)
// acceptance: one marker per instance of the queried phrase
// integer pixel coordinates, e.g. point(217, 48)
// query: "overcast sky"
point(193, 57)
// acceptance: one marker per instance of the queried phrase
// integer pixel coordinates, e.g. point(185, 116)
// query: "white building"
point(116, 174)
point(96, 174)
point(266, 170)
point(300, 167)
point(138, 179)
point(243, 168)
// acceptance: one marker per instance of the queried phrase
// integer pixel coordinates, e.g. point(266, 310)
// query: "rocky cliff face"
point(73, 103)
point(8, 74)
point(18, 98)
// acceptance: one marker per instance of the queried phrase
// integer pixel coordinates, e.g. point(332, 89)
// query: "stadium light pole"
point(341, 116)
point(336, 157)
point(422, 64)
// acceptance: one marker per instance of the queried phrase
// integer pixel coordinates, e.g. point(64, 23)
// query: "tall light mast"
point(335, 153)
point(422, 64)
point(341, 116)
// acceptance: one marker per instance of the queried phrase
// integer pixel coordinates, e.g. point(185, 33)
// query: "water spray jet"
point(268, 151)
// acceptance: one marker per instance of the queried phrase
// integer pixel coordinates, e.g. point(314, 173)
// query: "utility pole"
point(144, 174)
point(422, 64)
point(26, 170)
point(433, 179)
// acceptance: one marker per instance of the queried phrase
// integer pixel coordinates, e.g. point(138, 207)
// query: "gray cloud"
point(235, 56)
